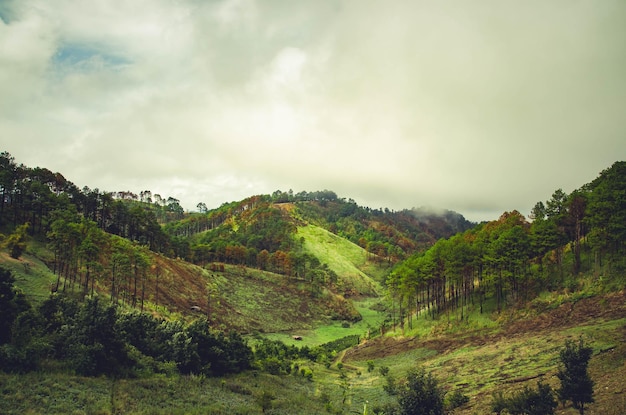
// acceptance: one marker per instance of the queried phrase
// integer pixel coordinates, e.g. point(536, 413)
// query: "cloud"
point(478, 108)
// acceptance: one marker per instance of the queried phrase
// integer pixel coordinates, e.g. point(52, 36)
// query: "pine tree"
point(576, 385)
point(421, 395)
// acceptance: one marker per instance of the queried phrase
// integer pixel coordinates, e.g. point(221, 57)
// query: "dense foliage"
point(96, 338)
point(420, 394)
point(276, 357)
point(38, 196)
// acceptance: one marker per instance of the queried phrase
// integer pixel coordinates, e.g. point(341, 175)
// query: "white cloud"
point(479, 108)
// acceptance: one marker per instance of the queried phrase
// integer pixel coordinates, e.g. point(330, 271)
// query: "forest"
point(512, 259)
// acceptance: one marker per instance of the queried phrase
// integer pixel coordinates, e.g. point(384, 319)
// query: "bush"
point(306, 373)
point(420, 394)
point(527, 402)
point(456, 400)
point(499, 403)
point(95, 345)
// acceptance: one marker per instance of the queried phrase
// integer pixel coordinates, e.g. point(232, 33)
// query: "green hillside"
point(358, 271)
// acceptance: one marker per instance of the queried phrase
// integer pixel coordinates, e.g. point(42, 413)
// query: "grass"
point(481, 367)
point(334, 329)
point(59, 393)
point(475, 365)
point(348, 260)
point(31, 275)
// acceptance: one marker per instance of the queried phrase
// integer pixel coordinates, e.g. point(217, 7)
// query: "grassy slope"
point(39, 393)
point(509, 355)
point(477, 363)
point(248, 300)
point(348, 260)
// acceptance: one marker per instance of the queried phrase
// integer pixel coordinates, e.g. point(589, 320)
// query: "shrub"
point(306, 373)
point(456, 400)
point(527, 401)
point(420, 394)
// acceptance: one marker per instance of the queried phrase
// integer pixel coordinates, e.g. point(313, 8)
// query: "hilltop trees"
point(34, 195)
point(605, 215)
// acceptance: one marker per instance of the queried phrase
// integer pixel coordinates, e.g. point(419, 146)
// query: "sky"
point(479, 107)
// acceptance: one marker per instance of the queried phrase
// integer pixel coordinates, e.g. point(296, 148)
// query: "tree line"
point(37, 195)
point(511, 259)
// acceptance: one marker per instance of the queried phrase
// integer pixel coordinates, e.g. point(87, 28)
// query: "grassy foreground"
point(58, 393)
point(477, 362)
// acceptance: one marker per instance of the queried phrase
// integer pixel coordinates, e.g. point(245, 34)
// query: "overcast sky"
point(475, 106)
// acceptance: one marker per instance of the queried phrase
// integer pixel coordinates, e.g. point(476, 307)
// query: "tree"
point(16, 242)
point(605, 215)
point(11, 304)
point(420, 395)
point(576, 208)
point(202, 208)
point(8, 175)
point(95, 343)
point(576, 385)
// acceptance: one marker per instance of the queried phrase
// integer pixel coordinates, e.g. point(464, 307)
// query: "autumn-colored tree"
point(16, 241)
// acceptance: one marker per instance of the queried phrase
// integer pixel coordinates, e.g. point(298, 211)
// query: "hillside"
point(357, 274)
point(519, 350)
point(237, 298)
point(308, 285)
